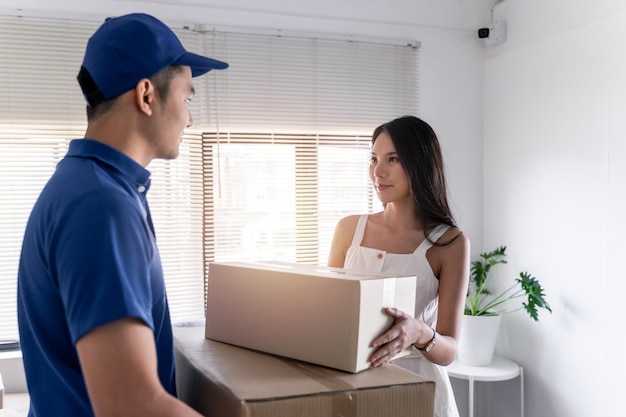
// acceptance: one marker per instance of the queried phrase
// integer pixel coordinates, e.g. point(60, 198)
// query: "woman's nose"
point(379, 170)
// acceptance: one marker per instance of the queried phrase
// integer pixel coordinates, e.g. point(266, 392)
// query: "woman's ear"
point(144, 96)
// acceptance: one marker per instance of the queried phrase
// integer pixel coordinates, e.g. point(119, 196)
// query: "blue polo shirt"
point(89, 257)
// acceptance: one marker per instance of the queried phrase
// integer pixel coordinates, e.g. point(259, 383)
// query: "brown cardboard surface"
point(1, 392)
point(326, 316)
point(221, 380)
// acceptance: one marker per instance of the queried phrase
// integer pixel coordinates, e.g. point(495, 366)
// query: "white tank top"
point(365, 259)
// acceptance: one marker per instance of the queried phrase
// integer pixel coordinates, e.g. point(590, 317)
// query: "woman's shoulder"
point(346, 227)
point(342, 239)
point(452, 248)
point(452, 234)
point(453, 240)
point(349, 221)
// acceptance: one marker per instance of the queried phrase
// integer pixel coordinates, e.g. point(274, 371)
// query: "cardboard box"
point(326, 316)
point(220, 380)
point(1, 392)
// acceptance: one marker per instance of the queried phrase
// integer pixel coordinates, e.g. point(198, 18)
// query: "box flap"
point(307, 269)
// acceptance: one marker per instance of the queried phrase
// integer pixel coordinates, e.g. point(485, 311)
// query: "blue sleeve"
point(101, 255)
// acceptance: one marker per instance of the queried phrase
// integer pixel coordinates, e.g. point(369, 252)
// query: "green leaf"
point(479, 299)
point(534, 292)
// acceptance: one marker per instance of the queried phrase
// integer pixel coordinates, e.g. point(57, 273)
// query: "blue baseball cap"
point(126, 49)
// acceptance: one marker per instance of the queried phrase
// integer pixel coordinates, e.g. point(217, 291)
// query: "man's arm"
point(120, 368)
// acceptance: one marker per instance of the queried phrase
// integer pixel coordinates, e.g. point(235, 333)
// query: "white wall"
point(555, 193)
point(340, 15)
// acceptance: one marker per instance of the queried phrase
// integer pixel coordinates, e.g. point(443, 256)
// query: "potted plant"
point(483, 310)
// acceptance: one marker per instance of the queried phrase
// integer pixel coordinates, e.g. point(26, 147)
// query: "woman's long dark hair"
point(420, 155)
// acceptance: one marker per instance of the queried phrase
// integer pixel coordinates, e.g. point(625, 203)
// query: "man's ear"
point(144, 96)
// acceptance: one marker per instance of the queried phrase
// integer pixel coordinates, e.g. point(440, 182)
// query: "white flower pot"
point(478, 339)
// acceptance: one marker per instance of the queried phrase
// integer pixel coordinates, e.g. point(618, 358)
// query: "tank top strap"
point(360, 230)
point(437, 232)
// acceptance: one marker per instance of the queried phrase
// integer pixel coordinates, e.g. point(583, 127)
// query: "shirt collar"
point(88, 148)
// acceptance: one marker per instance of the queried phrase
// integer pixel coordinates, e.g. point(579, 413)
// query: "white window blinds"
point(309, 85)
point(40, 109)
point(278, 152)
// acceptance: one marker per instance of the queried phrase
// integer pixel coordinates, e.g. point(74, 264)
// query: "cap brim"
point(200, 64)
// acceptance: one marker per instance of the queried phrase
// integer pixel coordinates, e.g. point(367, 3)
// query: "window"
point(278, 152)
point(278, 197)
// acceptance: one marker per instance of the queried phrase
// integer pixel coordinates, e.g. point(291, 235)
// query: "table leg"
point(521, 383)
point(471, 396)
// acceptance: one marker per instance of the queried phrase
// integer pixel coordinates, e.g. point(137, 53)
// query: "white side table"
point(12, 370)
point(500, 369)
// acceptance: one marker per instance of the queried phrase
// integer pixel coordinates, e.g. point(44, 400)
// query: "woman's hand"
point(404, 332)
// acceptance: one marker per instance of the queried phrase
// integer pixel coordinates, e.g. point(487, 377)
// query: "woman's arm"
point(454, 272)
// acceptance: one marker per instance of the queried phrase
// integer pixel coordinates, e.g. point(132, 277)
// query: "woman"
point(414, 234)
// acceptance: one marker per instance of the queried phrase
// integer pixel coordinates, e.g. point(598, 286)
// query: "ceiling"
point(449, 14)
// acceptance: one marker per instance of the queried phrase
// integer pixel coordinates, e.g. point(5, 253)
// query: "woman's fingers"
point(394, 340)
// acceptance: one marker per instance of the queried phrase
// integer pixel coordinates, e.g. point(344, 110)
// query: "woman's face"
point(387, 173)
